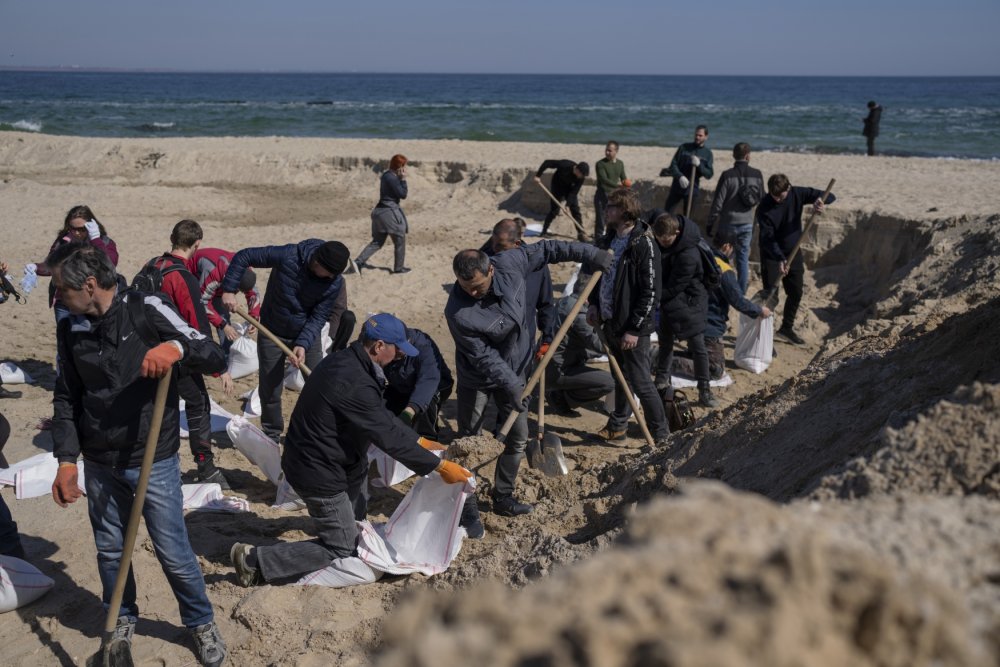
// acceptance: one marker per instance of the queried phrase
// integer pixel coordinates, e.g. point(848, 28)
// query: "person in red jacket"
point(209, 266)
point(181, 286)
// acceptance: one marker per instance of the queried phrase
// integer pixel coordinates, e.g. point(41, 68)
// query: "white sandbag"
point(11, 373)
point(256, 446)
point(294, 379)
point(36, 480)
point(21, 583)
point(208, 497)
point(251, 409)
point(422, 535)
point(324, 338)
point(754, 343)
point(390, 471)
point(219, 415)
point(7, 475)
point(243, 357)
point(266, 455)
point(571, 283)
point(683, 382)
point(343, 572)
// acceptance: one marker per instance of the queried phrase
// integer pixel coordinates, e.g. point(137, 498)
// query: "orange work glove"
point(159, 360)
point(65, 489)
point(627, 183)
point(430, 445)
point(542, 349)
point(452, 473)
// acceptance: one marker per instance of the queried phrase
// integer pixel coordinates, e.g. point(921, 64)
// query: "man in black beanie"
point(302, 290)
point(566, 183)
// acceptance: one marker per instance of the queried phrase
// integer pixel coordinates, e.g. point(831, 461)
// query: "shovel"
point(546, 452)
point(770, 297)
point(636, 412)
point(579, 227)
point(687, 209)
point(117, 653)
point(274, 339)
point(553, 346)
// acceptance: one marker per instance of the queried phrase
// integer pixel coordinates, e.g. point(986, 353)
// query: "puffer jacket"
point(297, 304)
point(102, 407)
point(683, 298)
point(493, 347)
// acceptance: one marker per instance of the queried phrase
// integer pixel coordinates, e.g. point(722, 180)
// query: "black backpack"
point(748, 193)
point(150, 277)
point(711, 275)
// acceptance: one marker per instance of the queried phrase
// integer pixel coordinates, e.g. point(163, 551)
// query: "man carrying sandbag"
point(104, 411)
point(325, 459)
point(301, 293)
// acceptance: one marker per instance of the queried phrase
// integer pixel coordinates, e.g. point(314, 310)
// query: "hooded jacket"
point(298, 303)
point(684, 298)
point(102, 407)
point(637, 283)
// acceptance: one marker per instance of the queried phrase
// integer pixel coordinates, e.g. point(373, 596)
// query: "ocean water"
point(934, 117)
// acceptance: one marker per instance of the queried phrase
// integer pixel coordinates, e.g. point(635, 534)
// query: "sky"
point(843, 37)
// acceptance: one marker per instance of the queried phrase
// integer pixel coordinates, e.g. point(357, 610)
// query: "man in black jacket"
point(107, 349)
point(623, 304)
point(871, 122)
point(325, 459)
point(566, 183)
point(780, 219)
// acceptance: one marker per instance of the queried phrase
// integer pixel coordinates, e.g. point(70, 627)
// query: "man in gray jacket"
point(488, 314)
point(740, 190)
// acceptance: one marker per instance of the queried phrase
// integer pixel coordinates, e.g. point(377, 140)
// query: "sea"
point(944, 117)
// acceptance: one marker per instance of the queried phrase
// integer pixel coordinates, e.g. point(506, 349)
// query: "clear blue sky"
point(842, 37)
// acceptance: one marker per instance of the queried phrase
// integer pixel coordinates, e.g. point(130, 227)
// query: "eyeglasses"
point(78, 230)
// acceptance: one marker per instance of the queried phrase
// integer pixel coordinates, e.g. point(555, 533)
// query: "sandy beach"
point(841, 508)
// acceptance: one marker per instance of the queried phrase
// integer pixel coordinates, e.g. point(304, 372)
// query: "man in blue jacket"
point(301, 293)
point(488, 313)
point(779, 217)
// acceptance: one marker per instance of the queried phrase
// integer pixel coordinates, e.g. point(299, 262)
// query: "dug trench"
point(849, 488)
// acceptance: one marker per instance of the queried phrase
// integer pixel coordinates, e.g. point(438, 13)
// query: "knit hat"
point(333, 256)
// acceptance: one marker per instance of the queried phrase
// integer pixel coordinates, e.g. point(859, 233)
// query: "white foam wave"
point(26, 125)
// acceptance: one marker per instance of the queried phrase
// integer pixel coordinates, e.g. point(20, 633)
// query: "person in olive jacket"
point(683, 300)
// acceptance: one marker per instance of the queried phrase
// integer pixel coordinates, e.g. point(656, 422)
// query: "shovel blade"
point(113, 653)
point(553, 461)
point(534, 452)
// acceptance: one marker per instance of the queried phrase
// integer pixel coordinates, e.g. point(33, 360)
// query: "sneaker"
point(208, 644)
point(124, 630)
point(609, 434)
point(246, 575)
point(209, 474)
point(707, 399)
point(405, 269)
point(470, 519)
point(788, 335)
point(7, 393)
point(509, 506)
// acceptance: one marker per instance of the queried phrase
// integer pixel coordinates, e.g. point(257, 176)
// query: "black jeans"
point(572, 203)
point(342, 335)
point(378, 240)
point(471, 412)
point(600, 203)
point(665, 358)
point(635, 365)
point(871, 145)
point(191, 387)
point(272, 377)
point(792, 284)
point(580, 385)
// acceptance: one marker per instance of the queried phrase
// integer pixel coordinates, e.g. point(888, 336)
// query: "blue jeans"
point(741, 254)
point(110, 493)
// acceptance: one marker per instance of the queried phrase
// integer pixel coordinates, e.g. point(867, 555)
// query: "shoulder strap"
point(135, 302)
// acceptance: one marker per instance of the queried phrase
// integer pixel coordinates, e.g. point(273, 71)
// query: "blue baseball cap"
point(389, 329)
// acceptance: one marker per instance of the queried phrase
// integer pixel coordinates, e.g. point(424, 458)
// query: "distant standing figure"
point(388, 219)
point(739, 191)
point(692, 154)
point(871, 122)
point(566, 183)
point(610, 176)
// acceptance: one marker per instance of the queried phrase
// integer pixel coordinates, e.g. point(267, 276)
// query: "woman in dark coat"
point(683, 300)
point(388, 219)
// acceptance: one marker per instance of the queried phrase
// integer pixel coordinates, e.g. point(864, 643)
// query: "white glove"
point(30, 269)
point(684, 182)
point(93, 231)
point(695, 160)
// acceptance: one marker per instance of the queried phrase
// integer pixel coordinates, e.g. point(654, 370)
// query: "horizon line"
point(169, 70)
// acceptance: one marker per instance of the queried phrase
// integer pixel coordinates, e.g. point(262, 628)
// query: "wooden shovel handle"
point(274, 339)
point(616, 369)
point(579, 227)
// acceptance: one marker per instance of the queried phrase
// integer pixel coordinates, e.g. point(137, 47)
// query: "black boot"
point(470, 519)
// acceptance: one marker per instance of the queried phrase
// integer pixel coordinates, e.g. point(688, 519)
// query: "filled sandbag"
point(243, 357)
point(21, 583)
point(294, 379)
point(219, 418)
point(264, 453)
point(754, 343)
point(390, 471)
point(251, 408)
point(11, 373)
